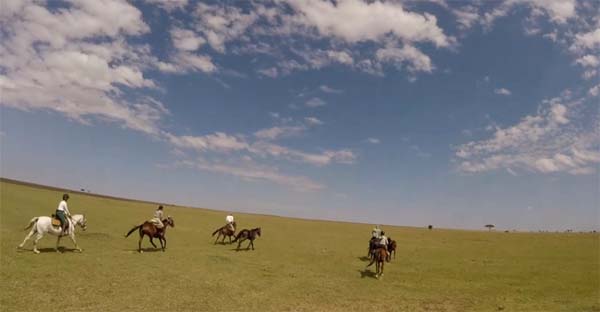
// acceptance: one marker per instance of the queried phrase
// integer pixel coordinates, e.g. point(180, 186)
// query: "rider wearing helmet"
point(62, 213)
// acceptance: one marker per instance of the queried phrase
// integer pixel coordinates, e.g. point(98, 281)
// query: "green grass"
point(298, 265)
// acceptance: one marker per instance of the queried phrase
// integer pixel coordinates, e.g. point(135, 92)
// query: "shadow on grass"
point(242, 249)
point(364, 258)
point(149, 249)
point(48, 250)
point(367, 273)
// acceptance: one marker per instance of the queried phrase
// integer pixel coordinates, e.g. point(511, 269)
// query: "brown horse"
point(247, 234)
point(373, 245)
point(391, 247)
point(150, 229)
point(225, 231)
point(379, 257)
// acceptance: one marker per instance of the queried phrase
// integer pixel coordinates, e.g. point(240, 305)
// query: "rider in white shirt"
point(158, 217)
point(62, 213)
point(229, 220)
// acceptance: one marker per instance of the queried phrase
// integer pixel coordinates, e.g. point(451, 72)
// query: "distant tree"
point(430, 227)
point(489, 226)
point(83, 190)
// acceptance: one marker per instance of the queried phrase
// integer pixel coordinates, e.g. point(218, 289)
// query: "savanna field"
point(298, 265)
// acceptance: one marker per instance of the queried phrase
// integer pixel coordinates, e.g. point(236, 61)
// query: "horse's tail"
point(133, 230)
point(216, 231)
point(31, 223)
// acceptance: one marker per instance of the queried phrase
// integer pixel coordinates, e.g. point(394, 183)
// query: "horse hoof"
point(141, 251)
point(36, 251)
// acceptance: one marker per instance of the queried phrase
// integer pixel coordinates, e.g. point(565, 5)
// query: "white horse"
point(43, 225)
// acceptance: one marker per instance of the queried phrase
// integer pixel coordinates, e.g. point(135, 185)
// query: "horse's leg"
point(37, 238)
point(72, 236)
point(58, 242)
point(382, 264)
point(223, 240)
point(377, 264)
point(152, 242)
point(218, 235)
point(252, 243)
point(239, 244)
point(140, 242)
point(27, 238)
point(230, 239)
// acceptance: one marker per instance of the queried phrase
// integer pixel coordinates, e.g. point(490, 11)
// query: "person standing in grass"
point(158, 217)
point(62, 213)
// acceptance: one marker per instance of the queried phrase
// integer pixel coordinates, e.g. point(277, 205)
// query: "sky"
point(451, 113)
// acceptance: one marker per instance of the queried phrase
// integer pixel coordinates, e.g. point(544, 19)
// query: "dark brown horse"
point(247, 234)
point(150, 229)
point(391, 247)
point(225, 231)
point(379, 257)
point(373, 244)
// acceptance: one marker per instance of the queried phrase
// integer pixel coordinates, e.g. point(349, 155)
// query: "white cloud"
point(185, 39)
point(169, 5)
point(589, 40)
point(51, 61)
point(327, 157)
point(356, 20)
point(274, 133)
point(328, 89)
point(313, 121)
point(250, 171)
point(269, 72)
point(373, 140)
point(594, 91)
point(588, 61)
point(502, 91)
point(416, 60)
point(218, 141)
point(315, 102)
point(221, 24)
point(549, 141)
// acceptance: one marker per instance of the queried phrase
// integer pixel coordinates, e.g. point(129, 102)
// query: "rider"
point(62, 213)
point(383, 240)
point(376, 233)
point(158, 217)
point(229, 220)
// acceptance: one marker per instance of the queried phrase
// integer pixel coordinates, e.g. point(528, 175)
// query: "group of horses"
point(245, 234)
point(380, 254)
point(44, 225)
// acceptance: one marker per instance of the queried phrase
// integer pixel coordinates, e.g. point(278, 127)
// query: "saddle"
point(55, 221)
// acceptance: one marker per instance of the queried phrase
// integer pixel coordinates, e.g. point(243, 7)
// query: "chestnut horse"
point(225, 231)
point(379, 257)
point(247, 234)
point(150, 229)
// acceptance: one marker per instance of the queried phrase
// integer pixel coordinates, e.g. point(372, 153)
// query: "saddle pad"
point(55, 222)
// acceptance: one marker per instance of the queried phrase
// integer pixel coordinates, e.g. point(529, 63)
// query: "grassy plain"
point(298, 265)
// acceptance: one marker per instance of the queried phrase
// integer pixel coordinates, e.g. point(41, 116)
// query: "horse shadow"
point(367, 273)
point(49, 250)
point(148, 249)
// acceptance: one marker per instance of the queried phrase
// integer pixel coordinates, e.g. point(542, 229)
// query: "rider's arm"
point(67, 210)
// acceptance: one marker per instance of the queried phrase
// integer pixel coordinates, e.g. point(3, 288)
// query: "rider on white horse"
point(62, 213)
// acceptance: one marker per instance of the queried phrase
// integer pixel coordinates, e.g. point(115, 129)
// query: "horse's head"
point(81, 221)
point(257, 230)
point(169, 221)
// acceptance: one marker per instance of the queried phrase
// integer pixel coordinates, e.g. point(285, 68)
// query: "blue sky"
point(451, 113)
